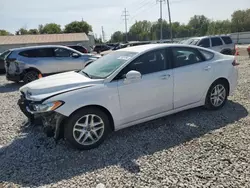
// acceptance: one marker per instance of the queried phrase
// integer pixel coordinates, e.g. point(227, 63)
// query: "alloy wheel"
point(218, 95)
point(88, 129)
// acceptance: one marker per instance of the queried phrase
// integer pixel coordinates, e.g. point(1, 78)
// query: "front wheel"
point(30, 76)
point(87, 128)
point(216, 96)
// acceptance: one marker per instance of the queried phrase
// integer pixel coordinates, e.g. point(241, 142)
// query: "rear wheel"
point(217, 95)
point(30, 76)
point(87, 128)
point(227, 52)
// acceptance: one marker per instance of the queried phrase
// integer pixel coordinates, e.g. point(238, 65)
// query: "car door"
point(217, 44)
point(192, 75)
point(153, 93)
point(66, 62)
point(39, 58)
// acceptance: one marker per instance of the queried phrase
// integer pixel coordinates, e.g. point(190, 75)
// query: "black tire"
point(208, 103)
point(69, 133)
point(30, 76)
point(227, 52)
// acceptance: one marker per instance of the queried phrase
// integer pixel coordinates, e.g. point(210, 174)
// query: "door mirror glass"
point(133, 76)
point(75, 55)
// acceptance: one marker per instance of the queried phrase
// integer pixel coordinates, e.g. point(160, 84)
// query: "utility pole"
point(125, 15)
point(103, 35)
point(161, 1)
point(170, 22)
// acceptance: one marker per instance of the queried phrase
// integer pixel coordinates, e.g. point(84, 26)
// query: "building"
point(16, 41)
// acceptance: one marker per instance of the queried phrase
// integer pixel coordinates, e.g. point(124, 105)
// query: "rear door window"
point(38, 53)
point(45, 52)
point(28, 53)
point(216, 41)
point(227, 39)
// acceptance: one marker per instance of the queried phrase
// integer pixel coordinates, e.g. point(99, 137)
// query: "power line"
point(138, 12)
point(134, 4)
point(125, 15)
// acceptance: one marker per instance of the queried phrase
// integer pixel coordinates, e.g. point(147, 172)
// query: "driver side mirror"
point(75, 55)
point(132, 76)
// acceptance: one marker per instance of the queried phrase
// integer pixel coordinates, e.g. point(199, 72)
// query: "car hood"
point(56, 84)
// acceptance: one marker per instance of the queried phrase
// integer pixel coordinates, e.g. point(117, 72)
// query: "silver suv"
point(29, 63)
point(222, 43)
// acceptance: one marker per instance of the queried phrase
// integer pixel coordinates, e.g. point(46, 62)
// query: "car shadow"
point(10, 87)
point(32, 159)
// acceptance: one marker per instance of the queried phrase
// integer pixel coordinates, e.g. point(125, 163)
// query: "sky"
point(15, 14)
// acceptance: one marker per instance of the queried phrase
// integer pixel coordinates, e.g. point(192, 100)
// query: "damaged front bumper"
point(14, 70)
point(52, 121)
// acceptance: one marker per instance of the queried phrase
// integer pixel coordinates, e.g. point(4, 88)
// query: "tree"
point(50, 28)
point(33, 31)
point(40, 28)
point(241, 20)
point(22, 31)
point(117, 36)
point(78, 27)
point(199, 25)
point(4, 32)
point(141, 30)
point(219, 27)
point(156, 30)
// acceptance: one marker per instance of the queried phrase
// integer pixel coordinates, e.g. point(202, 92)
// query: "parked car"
point(79, 48)
point(29, 62)
point(102, 47)
point(126, 87)
point(2, 59)
point(222, 44)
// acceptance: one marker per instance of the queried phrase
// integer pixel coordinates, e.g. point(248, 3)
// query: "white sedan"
point(126, 87)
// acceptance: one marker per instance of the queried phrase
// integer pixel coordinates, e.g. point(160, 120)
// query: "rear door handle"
point(165, 76)
point(207, 68)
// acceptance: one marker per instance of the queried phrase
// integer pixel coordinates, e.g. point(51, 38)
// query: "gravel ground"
point(195, 148)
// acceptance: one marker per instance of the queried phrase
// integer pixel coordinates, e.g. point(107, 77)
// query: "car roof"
point(38, 47)
point(147, 47)
point(210, 36)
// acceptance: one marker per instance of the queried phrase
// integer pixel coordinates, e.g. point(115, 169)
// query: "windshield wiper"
point(86, 74)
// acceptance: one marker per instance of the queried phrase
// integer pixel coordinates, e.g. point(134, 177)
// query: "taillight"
point(235, 63)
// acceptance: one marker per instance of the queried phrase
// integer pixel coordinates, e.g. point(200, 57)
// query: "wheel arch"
point(223, 80)
point(31, 69)
point(105, 110)
point(226, 50)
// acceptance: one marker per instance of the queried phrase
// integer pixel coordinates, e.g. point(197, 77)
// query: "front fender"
point(104, 95)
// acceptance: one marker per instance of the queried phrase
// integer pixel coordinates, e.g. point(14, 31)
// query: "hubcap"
point(218, 95)
point(88, 129)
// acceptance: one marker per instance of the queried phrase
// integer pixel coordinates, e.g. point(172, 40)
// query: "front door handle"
point(207, 68)
point(165, 76)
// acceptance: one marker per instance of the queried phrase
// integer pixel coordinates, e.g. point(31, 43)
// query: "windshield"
point(191, 41)
point(106, 65)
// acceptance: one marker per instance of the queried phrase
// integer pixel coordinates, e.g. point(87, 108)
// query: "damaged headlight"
point(47, 107)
